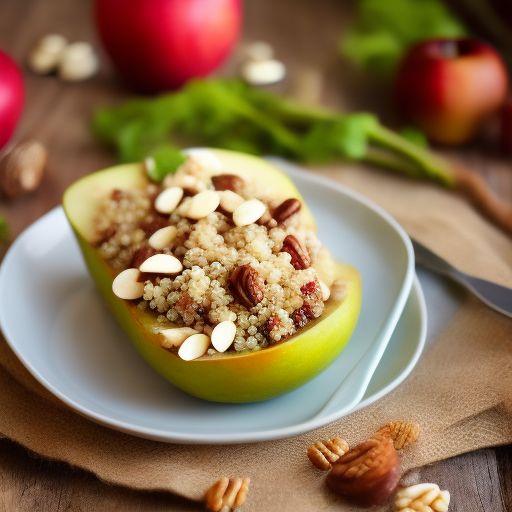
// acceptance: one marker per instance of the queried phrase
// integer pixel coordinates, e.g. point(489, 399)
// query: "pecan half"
point(368, 474)
point(227, 494)
point(402, 433)
point(300, 257)
point(323, 454)
point(286, 209)
point(231, 182)
point(246, 286)
point(302, 316)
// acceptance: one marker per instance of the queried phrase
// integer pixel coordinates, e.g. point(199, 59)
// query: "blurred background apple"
point(157, 45)
point(12, 97)
point(449, 87)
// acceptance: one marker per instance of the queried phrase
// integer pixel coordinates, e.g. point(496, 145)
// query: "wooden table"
point(305, 35)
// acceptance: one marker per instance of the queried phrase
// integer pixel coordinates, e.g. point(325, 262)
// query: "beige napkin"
point(460, 391)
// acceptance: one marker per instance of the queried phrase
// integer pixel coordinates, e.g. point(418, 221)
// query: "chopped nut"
point(176, 337)
point(231, 182)
point(163, 237)
point(22, 169)
point(263, 72)
point(401, 433)
point(168, 200)
point(339, 290)
point(126, 285)
point(300, 257)
point(367, 474)
point(227, 494)
point(46, 55)
point(248, 212)
point(422, 497)
point(162, 264)
point(78, 62)
point(223, 335)
point(202, 204)
point(286, 209)
point(230, 201)
point(323, 454)
point(326, 293)
point(245, 284)
point(194, 346)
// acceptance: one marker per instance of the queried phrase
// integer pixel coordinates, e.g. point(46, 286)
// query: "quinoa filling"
point(242, 256)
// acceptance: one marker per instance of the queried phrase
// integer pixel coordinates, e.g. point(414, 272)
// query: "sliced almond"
point(162, 264)
point(248, 212)
point(168, 200)
point(194, 346)
point(126, 285)
point(163, 237)
point(223, 335)
point(326, 292)
point(175, 337)
point(230, 200)
point(202, 204)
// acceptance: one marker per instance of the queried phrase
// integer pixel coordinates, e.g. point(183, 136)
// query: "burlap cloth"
point(458, 392)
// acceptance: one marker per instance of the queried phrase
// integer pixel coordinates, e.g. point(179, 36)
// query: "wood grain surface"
point(305, 35)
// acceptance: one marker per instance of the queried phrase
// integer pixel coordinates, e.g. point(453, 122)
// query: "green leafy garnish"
point(232, 115)
point(384, 30)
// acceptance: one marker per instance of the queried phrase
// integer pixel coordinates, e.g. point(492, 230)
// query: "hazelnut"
point(46, 55)
point(22, 169)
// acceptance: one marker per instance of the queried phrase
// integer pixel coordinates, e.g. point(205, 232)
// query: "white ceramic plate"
point(68, 340)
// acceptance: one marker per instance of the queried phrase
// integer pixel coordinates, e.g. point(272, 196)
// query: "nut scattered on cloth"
point(402, 433)
point(22, 169)
point(368, 474)
point(227, 494)
point(323, 454)
point(422, 498)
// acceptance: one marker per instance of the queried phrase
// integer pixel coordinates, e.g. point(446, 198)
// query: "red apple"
point(158, 45)
point(12, 97)
point(449, 87)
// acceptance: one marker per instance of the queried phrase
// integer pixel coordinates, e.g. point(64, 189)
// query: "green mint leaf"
point(162, 161)
point(415, 135)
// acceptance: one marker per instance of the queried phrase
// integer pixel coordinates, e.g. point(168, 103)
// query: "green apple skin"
point(228, 377)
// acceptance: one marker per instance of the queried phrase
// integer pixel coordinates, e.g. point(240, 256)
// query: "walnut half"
point(227, 494)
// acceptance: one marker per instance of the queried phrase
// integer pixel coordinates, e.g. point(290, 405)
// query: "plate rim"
point(264, 435)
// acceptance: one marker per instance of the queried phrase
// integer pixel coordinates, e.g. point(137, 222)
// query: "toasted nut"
point(339, 290)
point(22, 169)
point(325, 290)
point(323, 454)
point(248, 212)
point(162, 264)
point(300, 257)
point(246, 286)
point(181, 180)
point(175, 337)
point(205, 158)
point(168, 200)
point(286, 209)
point(229, 200)
point(263, 72)
point(422, 497)
point(368, 474)
point(227, 494)
point(163, 237)
point(194, 346)
point(223, 335)
point(202, 204)
point(126, 285)
point(46, 55)
point(78, 62)
point(231, 182)
point(401, 433)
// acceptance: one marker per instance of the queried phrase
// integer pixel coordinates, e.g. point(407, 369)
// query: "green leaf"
point(165, 160)
point(415, 135)
point(384, 30)
point(4, 229)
